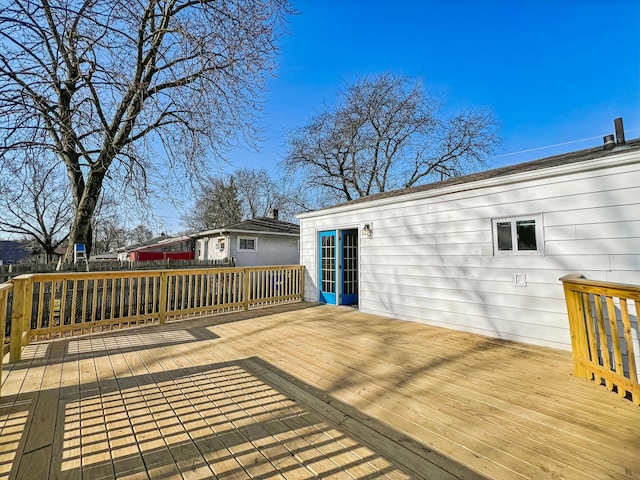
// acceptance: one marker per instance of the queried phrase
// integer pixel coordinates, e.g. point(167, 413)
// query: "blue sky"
point(554, 72)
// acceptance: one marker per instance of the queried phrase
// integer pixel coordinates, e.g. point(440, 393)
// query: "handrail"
point(602, 319)
point(51, 305)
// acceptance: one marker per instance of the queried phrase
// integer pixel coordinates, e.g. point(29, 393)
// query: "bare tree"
point(109, 234)
point(108, 228)
point(217, 205)
point(386, 133)
point(34, 201)
point(259, 194)
point(103, 84)
point(139, 234)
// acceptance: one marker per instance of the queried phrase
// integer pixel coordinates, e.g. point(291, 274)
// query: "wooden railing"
point(603, 318)
point(63, 304)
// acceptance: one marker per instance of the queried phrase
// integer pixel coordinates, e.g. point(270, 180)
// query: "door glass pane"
point(350, 263)
point(526, 230)
point(504, 236)
point(329, 264)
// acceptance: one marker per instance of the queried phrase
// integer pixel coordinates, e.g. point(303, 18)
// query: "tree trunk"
point(81, 230)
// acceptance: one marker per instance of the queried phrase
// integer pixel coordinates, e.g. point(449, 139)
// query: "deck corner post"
point(164, 294)
point(245, 288)
point(577, 328)
point(18, 318)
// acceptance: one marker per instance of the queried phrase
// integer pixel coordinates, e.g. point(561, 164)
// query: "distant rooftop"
point(258, 225)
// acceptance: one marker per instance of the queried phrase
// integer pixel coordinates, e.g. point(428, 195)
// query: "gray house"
point(13, 252)
point(483, 253)
point(256, 242)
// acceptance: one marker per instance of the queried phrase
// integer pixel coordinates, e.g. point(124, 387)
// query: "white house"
point(483, 253)
point(256, 242)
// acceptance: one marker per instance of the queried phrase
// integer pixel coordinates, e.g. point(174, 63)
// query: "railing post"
point(302, 283)
point(577, 328)
point(164, 294)
point(18, 314)
point(245, 288)
point(28, 307)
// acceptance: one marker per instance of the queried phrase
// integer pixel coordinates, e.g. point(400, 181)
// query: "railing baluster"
point(74, 303)
point(591, 336)
point(94, 301)
point(626, 323)
point(246, 285)
point(165, 279)
point(602, 335)
point(219, 288)
point(103, 299)
point(52, 303)
point(85, 296)
point(112, 298)
point(40, 305)
point(138, 296)
point(615, 340)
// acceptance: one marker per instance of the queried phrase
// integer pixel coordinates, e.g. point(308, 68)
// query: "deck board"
point(499, 418)
point(307, 391)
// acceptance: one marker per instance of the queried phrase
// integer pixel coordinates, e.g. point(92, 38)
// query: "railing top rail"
point(63, 275)
point(581, 283)
point(6, 286)
point(274, 267)
point(52, 276)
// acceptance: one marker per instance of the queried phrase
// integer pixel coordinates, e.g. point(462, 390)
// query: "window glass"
point(504, 236)
point(526, 230)
point(518, 235)
point(247, 244)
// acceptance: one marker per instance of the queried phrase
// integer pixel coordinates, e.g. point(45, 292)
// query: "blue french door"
point(339, 267)
point(349, 280)
point(328, 264)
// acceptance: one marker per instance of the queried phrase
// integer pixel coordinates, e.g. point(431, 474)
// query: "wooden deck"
point(306, 391)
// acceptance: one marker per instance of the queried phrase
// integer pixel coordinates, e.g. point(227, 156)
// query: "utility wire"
point(560, 144)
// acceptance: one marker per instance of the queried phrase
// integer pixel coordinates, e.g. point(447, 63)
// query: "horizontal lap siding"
point(431, 260)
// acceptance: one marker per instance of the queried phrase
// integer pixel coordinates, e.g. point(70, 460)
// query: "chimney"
point(274, 213)
point(609, 142)
point(619, 131)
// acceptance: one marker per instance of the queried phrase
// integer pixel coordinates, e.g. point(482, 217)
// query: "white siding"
point(271, 250)
point(206, 248)
point(431, 259)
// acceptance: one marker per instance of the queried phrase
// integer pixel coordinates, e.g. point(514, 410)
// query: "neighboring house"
point(58, 253)
point(483, 253)
point(13, 252)
point(104, 257)
point(256, 242)
point(160, 248)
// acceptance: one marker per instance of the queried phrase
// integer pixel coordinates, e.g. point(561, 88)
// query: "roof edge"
point(248, 232)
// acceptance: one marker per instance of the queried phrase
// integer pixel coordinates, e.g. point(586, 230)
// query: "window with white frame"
point(247, 244)
point(518, 235)
point(220, 244)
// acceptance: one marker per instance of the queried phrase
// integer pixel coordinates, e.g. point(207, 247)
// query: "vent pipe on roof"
point(274, 213)
point(609, 142)
point(619, 131)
